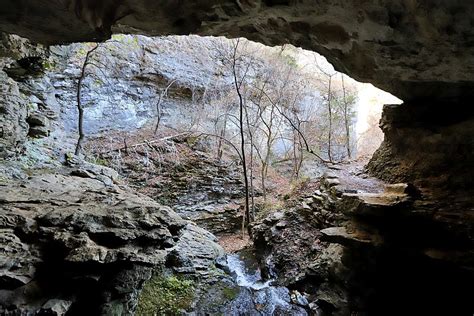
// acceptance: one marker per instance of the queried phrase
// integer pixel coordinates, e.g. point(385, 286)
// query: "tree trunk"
point(262, 174)
point(330, 121)
point(346, 120)
point(222, 136)
point(159, 112)
point(295, 159)
point(80, 119)
point(242, 135)
point(252, 189)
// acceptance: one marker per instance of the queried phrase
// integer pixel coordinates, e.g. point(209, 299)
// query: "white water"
point(244, 277)
point(266, 298)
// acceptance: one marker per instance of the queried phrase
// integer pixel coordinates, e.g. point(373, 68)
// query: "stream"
point(265, 299)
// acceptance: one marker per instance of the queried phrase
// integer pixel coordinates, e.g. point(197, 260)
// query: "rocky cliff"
point(19, 59)
point(74, 241)
point(360, 245)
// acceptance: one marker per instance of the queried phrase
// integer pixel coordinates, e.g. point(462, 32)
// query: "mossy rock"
point(230, 293)
point(165, 295)
point(217, 298)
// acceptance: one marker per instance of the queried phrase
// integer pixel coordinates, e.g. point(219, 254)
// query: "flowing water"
point(266, 299)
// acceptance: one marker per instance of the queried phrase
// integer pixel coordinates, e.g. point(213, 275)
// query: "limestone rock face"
point(13, 126)
point(84, 245)
point(20, 60)
point(429, 143)
point(401, 240)
point(16, 47)
point(411, 48)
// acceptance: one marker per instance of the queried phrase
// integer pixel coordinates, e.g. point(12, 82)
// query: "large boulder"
point(85, 245)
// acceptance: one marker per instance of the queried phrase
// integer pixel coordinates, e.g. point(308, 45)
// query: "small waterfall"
point(243, 276)
point(267, 299)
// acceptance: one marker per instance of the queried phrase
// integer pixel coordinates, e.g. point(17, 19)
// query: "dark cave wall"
point(429, 144)
point(415, 49)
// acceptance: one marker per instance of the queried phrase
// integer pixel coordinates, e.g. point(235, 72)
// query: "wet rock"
point(195, 252)
point(289, 242)
point(298, 299)
point(56, 307)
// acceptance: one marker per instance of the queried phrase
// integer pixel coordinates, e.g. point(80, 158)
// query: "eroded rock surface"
point(427, 143)
point(15, 53)
point(358, 245)
point(289, 245)
point(411, 48)
point(80, 244)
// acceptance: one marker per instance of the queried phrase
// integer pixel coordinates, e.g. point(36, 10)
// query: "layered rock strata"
point(386, 249)
point(76, 242)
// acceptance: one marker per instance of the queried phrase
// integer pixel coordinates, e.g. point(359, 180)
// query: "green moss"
point(165, 296)
point(98, 83)
point(3, 180)
point(128, 41)
point(118, 37)
point(99, 161)
point(230, 293)
point(265, 208)
point(49, 65)
point(32, 107)
point(290, 60)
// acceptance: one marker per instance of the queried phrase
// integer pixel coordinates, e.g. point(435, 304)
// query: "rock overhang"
point(415, 49)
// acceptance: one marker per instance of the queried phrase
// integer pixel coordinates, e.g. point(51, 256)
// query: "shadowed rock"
point(72, 239)
point(411, 48)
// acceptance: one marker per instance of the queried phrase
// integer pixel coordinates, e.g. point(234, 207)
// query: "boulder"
point(82, 245)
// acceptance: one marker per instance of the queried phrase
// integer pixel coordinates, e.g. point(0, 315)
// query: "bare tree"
point(159, 110)
point(96, 64)
point(238, 85)
point(251, 131)
point(330, 114)
point(80, 108)
point(297, 128)
point(346, 119)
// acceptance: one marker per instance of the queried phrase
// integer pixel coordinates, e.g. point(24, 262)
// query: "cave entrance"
point(180, 116)
point(165, 113)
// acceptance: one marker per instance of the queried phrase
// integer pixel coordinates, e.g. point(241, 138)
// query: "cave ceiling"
point(415, 49)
